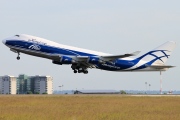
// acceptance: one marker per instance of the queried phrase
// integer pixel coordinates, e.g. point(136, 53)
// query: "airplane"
point(82, 59)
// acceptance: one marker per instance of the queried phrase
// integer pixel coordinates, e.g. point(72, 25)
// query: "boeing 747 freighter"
point(82, 59)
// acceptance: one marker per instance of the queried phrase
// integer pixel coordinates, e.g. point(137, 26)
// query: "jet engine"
point(64, 60)
point(94, 60)
point(56, 62)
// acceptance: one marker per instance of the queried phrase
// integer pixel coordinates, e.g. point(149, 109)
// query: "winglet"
point(135, 53)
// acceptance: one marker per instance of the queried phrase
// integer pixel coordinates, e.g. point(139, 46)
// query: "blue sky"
point(116, 27)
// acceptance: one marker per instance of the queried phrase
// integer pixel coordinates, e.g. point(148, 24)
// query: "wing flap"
point(113, 57)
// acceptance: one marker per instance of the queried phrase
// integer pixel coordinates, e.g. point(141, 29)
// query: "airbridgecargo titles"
point(82, 59)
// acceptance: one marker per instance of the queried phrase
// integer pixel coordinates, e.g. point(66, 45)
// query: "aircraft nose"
point(4, 41)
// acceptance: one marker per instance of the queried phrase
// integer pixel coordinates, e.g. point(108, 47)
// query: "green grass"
point(88, 107)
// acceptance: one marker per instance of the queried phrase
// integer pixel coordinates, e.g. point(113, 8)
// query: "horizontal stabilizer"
point(160, 66)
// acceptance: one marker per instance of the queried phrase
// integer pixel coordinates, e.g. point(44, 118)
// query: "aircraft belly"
point(34, 53)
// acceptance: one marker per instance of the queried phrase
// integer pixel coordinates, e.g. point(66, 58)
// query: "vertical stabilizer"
point(159, 55)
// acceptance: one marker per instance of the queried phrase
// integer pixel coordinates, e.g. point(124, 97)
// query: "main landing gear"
point(18, 57)
point(79, 69)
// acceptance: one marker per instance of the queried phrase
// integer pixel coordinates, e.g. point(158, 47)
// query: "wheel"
point(75, 71)
point(85, 72)
point(18, 58)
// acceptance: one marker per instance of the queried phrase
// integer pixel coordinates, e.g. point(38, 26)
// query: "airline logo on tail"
point(158, 56)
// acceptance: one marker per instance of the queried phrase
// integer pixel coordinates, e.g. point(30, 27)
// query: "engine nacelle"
point(93, 60)
point(56, 62)
point(66, 60)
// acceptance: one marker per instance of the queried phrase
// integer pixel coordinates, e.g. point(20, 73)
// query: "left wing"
point(87, 61)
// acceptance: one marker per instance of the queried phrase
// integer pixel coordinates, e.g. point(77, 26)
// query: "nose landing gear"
point(18, 57)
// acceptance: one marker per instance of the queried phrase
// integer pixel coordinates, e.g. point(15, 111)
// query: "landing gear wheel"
point(75, 71)
point(18, 57)
point(85, 72)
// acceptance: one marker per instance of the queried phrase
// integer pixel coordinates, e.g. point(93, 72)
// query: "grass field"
point(88, 107)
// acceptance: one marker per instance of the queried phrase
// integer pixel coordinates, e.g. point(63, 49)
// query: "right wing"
point(113, 57)
point(106, 58)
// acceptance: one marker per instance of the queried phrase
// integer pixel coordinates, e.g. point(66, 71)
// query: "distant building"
point(7, 84)
point(42, 84)
point(96, 92)
point(24, 84)
point(34, 84)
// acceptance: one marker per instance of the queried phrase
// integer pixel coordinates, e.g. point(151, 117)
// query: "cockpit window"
point(17, 35)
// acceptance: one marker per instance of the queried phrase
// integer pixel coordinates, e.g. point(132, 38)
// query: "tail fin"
point(159, 55)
